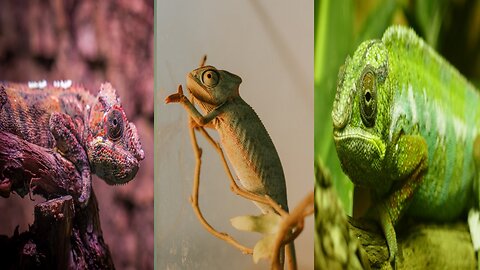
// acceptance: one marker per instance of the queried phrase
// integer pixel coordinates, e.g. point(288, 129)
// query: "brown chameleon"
point(92, 132)
point(243, 136)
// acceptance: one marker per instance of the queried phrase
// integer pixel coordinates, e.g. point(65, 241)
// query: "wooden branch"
point(53, 228)
point(63, 236)
point(26, 167)
point(344, 243)
point(88, 247)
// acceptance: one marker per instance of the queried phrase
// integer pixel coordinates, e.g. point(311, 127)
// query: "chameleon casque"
point(405, 126)
point(92, 132)
point(243, 136)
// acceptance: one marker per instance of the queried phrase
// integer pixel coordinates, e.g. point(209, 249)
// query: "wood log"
point(63, 236)
point(26, 167)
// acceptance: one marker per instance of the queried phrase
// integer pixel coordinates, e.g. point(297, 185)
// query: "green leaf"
point(263, 249)
point(266, 224)
point(377, 21)
point(430, 15)
point(333, 41)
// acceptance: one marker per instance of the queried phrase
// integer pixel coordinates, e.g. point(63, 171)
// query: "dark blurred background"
point(90, 42)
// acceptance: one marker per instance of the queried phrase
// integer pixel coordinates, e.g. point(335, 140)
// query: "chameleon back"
point(434, 100)
point(26, 111)
point(252, 152)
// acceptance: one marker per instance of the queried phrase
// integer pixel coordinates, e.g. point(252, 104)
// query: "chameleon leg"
point(194, 199)
point(199, 121)
point(68, 143)
point(290, 248)
point(406, 160)
point(233, 184)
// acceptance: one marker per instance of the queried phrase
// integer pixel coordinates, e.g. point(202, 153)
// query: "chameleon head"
point(212, 86)
point(114, 149)
point(360, 112)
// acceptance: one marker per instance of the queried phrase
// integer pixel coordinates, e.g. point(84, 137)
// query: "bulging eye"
point(368, 96)
point(115, 125)
point(210, 78)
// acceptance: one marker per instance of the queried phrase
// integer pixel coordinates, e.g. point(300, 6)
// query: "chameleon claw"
point(175, 98)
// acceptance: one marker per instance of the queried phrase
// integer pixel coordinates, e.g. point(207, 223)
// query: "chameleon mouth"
point(112, 163)
point(354, 138)
point(196, 88)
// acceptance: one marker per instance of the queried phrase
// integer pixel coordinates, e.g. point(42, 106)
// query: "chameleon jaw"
point(111, 162)
point(361, 136)
point(361, 154)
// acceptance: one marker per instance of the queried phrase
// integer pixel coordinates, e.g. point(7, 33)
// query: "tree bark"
point(62, 236)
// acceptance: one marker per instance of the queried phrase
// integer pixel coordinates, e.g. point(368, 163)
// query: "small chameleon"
point(243, 136)
point(405, 126)
point(91, 132)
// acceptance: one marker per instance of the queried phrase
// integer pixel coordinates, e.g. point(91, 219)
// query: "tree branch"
point(62, 236)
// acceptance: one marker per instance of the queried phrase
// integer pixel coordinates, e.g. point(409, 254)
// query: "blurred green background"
point(451, 27)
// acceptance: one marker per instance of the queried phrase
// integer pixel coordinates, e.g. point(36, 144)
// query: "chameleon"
point(243, 136)
point(92, 132)
point(405, 126)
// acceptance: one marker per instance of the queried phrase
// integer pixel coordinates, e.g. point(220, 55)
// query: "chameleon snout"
point(114, 164)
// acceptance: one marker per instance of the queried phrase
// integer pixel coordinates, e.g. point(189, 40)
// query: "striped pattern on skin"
point(26, 111)
point(442, 107)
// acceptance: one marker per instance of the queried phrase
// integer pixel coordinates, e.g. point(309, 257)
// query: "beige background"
point(270, 45)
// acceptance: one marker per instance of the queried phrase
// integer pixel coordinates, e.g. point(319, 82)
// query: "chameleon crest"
point(405, 122)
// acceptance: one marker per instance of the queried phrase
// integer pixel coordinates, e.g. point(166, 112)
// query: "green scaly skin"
point(405, 122)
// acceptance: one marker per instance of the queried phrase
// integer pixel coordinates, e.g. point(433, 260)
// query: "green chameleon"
point(405, 126)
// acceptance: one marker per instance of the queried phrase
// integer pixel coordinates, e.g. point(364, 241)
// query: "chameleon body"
point(405, 122)
point(92, 132)
point(243, 136)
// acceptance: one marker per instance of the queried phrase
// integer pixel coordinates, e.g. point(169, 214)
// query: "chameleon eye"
point(210, 78)
point(368, 96)
point(115, 125)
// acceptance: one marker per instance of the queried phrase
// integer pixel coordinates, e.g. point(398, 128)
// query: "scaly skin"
point(405, 122)
point(92, 132)
point(243, 136)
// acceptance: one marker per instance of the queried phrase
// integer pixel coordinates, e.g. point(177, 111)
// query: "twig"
point(290, 228)
point(194, 198)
